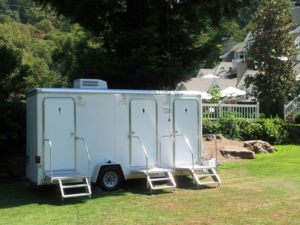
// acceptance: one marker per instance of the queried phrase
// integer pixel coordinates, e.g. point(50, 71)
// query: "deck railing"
point(292, 108)
point(214, 111)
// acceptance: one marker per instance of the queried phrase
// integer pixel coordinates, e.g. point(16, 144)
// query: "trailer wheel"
point(110, 178)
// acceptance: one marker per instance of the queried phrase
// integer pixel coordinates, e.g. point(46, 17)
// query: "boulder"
point(237, 152)
point(259, 146)
point(211, 138)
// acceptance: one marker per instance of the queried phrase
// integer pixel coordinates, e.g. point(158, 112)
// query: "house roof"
point(296, 67)
point(296, 30)
point(237, 47)
point(203, 84)
point(206, 72)
point(227, 64)
point(225, 83)
point(199, 84)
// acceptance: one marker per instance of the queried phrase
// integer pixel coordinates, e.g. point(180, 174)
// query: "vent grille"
point(90, 83)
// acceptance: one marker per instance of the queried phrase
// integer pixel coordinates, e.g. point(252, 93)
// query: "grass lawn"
point(261, 191)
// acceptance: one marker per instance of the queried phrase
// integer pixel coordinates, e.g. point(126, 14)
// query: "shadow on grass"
point(27, 193)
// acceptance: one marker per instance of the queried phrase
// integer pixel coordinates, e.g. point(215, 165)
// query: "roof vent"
point(90, 84)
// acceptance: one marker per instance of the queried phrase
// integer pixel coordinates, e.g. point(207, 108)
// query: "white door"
point(143, 125)
point(186, 120)
point(59, 127)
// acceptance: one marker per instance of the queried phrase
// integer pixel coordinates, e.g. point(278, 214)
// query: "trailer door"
point(59, 127)
point(143, 117)
point(186, 122)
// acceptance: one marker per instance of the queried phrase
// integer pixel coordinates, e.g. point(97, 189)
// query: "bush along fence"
point(273, 130)
point(292, 109)
point(215, 111)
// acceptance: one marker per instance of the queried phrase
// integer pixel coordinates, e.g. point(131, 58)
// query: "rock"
point(219, 137)
point(259, 146)
point(208, 138)
point(237, 152)
point(211, 138)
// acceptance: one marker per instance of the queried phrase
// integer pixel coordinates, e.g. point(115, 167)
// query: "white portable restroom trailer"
point(93, 134)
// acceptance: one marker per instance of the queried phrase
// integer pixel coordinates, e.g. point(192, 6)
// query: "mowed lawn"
point(261, 191)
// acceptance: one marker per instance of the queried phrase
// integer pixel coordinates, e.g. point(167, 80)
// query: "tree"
point(146, 44)
point(45, 25)
point(13, 111)
point(272, 42)
point(12, 74)
point(215, 95)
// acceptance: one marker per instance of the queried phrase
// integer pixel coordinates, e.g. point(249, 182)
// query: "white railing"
point(214, 111)
point(292, 109)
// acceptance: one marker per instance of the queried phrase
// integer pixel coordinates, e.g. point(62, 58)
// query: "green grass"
point(261, 191)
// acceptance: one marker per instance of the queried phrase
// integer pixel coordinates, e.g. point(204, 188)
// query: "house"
point(205, 84)
point(233, 69)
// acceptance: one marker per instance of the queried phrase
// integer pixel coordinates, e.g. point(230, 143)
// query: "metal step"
point(154, 170)
point(74, 186)
point(168, 177)
point(211, 173)
point(77, 195)
point(85, 184)
point(160, 179)
point(204, 175)
point(162, 187)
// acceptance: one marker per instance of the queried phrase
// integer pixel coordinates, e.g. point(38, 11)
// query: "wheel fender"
point(99, 166)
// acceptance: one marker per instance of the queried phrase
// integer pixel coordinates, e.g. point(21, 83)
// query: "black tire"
point(110, 178)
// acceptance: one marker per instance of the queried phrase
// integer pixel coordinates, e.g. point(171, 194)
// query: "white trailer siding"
point(32, 138)
point(105, 119)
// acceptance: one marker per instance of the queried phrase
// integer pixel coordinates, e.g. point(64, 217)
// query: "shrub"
point(297, 119)
point(210, 127)
point(231, 127)
point(273, 130)
point(252, 132)
point(262, 116)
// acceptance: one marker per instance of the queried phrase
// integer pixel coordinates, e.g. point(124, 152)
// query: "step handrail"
point(50, 144)
point(190, 147)
point(145, 151)
point(216, 147)
point(88, 156)
point(167, 136)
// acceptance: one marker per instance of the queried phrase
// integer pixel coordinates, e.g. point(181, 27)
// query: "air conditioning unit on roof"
point(90, 84)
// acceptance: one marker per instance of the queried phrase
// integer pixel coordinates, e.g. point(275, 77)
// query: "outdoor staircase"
point(200, 172)
point(67, 178)
point(198, 175)
point(66, 181)
point(84, 184)
point(152, 180)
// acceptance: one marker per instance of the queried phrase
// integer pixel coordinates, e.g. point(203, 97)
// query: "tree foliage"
point(272, 42)
point(215, 95)
point(146, 44)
